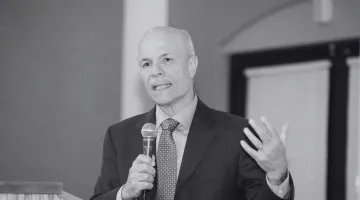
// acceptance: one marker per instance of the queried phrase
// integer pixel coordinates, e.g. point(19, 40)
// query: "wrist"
point(124, 195)
point(277, 178)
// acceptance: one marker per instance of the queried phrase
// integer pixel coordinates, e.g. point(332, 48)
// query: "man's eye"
point(167, 59)
point(146, 64)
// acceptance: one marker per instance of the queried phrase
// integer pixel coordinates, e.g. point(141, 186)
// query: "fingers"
point(145, 186)
point(143, 168)
point(141, 177)
point(146, 178)
point(249, 150)
point(132, 190)
point(144, 159)
point(269, 128)
point(253, 139)
point(265, 137)
point(272, 157)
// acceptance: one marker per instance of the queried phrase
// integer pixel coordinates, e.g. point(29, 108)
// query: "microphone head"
point(149, 130)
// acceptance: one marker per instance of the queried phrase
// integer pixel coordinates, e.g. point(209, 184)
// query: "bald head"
point(168, 66)
point(173, 35)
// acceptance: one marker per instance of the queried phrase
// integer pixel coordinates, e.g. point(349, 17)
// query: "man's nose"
point(157, 70)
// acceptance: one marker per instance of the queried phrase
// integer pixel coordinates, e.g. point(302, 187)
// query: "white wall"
point(59, 89)
point(296, 25)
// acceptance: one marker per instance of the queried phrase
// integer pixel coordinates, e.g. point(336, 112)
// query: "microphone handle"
point(149, 146)
point(149, 150)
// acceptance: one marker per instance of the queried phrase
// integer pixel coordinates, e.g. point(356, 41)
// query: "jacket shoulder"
point(229, 127)
point(226, 119)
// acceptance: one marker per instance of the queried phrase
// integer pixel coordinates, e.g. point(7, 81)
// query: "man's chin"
point(162, 102)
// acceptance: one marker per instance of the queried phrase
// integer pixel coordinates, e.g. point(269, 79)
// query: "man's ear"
point(193, 63)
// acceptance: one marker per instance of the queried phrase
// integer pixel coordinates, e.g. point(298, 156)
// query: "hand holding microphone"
point(142, 172)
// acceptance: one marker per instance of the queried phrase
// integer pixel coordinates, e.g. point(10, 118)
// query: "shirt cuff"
point(281, 190)
point(118, 195)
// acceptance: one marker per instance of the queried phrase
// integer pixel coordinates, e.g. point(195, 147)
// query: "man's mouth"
point(161, 87)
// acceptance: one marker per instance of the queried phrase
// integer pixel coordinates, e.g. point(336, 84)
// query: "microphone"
point(149, 133)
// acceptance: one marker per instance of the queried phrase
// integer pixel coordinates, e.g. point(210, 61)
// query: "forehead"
point(158, 43)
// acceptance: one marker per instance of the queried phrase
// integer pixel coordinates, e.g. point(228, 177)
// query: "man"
point(201, 153)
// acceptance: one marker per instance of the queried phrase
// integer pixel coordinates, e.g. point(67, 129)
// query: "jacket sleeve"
point(107, 184)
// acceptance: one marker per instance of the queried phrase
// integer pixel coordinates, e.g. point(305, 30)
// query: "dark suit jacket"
point(214, 165)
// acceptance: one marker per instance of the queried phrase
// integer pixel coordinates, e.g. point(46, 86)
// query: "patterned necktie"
point(166, 162)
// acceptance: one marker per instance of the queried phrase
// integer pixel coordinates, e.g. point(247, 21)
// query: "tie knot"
point(169, 125)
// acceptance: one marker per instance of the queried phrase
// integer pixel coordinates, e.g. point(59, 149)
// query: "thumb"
point(284, 134)
point(153, 160)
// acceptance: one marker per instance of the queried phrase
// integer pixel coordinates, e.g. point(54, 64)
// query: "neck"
point(177, 105)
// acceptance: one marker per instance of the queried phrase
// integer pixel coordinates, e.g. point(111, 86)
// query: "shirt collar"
point(184, 117)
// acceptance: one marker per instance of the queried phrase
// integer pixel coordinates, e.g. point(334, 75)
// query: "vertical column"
point(357, 180)
point(139, 16)
point(358, 175)
point(353, 136)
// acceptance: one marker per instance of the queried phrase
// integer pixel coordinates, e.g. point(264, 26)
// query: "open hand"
point(271, 149)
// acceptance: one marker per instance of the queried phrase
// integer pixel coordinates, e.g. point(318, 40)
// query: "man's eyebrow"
point(164, 55)
point(144, 59)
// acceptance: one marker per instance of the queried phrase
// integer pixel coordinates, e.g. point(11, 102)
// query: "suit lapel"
point(199, 138)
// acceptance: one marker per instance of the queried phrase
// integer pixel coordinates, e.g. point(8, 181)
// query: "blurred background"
point(68, 71)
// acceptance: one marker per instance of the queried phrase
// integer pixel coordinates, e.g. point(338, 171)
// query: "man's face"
point(165, 69)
